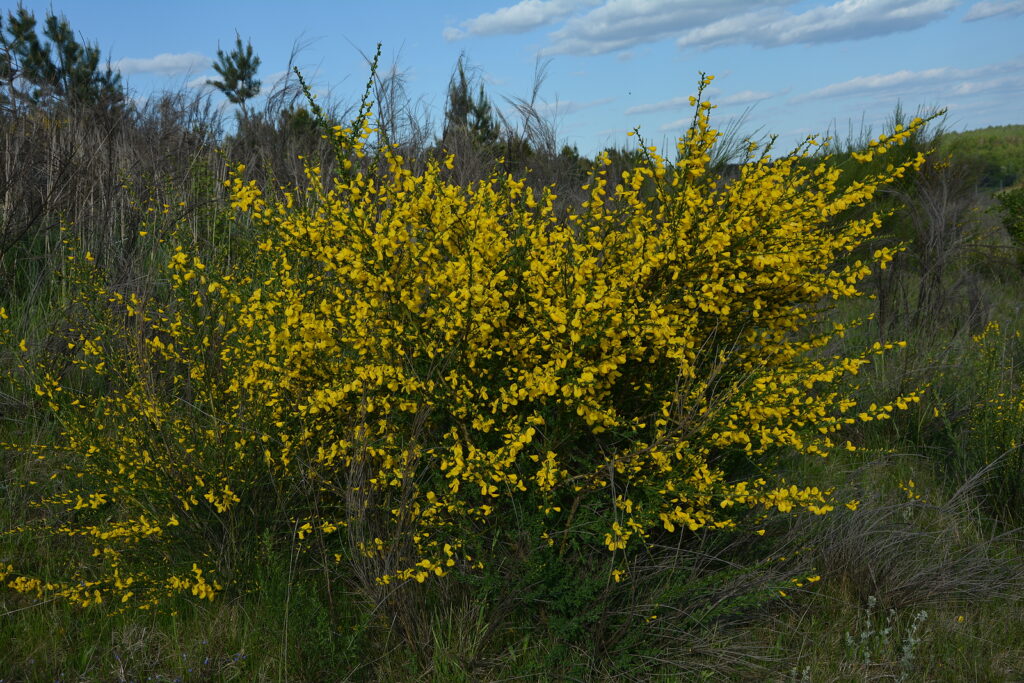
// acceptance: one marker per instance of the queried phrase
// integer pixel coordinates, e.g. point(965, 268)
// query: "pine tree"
point(466, 113)
point(237, 70)
point(60, 70)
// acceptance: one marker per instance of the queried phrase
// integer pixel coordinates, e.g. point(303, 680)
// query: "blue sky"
point(799, 66)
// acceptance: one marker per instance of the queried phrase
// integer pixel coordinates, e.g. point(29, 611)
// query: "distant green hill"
point(998, 151)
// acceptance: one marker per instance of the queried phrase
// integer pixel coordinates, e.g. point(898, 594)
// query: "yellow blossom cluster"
point(410, 367)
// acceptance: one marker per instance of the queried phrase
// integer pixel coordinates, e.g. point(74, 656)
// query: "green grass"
point(998, 152)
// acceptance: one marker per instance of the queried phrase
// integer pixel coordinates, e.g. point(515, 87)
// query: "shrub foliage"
point(406, 376)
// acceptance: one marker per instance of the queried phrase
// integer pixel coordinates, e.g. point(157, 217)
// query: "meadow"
point(327, 395)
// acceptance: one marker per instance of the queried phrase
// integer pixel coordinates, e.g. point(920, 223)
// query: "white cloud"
point(991, 8)
point(618, 25)
point(165, 64)
point(664, 105)
point(843, 20)
point(679, 127)
point(950, 81)
point(740, 28)
point(493, 80)
point(885, 82)
point(740, 98)
point(744, 97)
point(621, 24)
point(678, 124)
point(567, 107)
point(267, 83)
point(273, 80)
point(518, 18)
point(1006, 83)
point(201, 82)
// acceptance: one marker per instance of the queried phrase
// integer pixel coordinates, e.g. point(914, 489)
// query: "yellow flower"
point(452, 358)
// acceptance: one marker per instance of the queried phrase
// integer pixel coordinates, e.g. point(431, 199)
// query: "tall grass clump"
point(1011, 209)
point(983, 429)
point(401, 378)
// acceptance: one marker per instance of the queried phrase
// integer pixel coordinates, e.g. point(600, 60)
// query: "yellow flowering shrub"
point(400, 371)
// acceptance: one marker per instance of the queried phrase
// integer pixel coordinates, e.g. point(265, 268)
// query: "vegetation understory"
point(329, 397)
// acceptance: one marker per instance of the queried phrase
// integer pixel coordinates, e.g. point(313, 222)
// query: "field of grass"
point(144, 283)
point(997, 151)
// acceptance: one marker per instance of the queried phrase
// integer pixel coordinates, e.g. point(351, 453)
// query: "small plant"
point(797, 675)
point(882, 641)
point(1011, 207)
